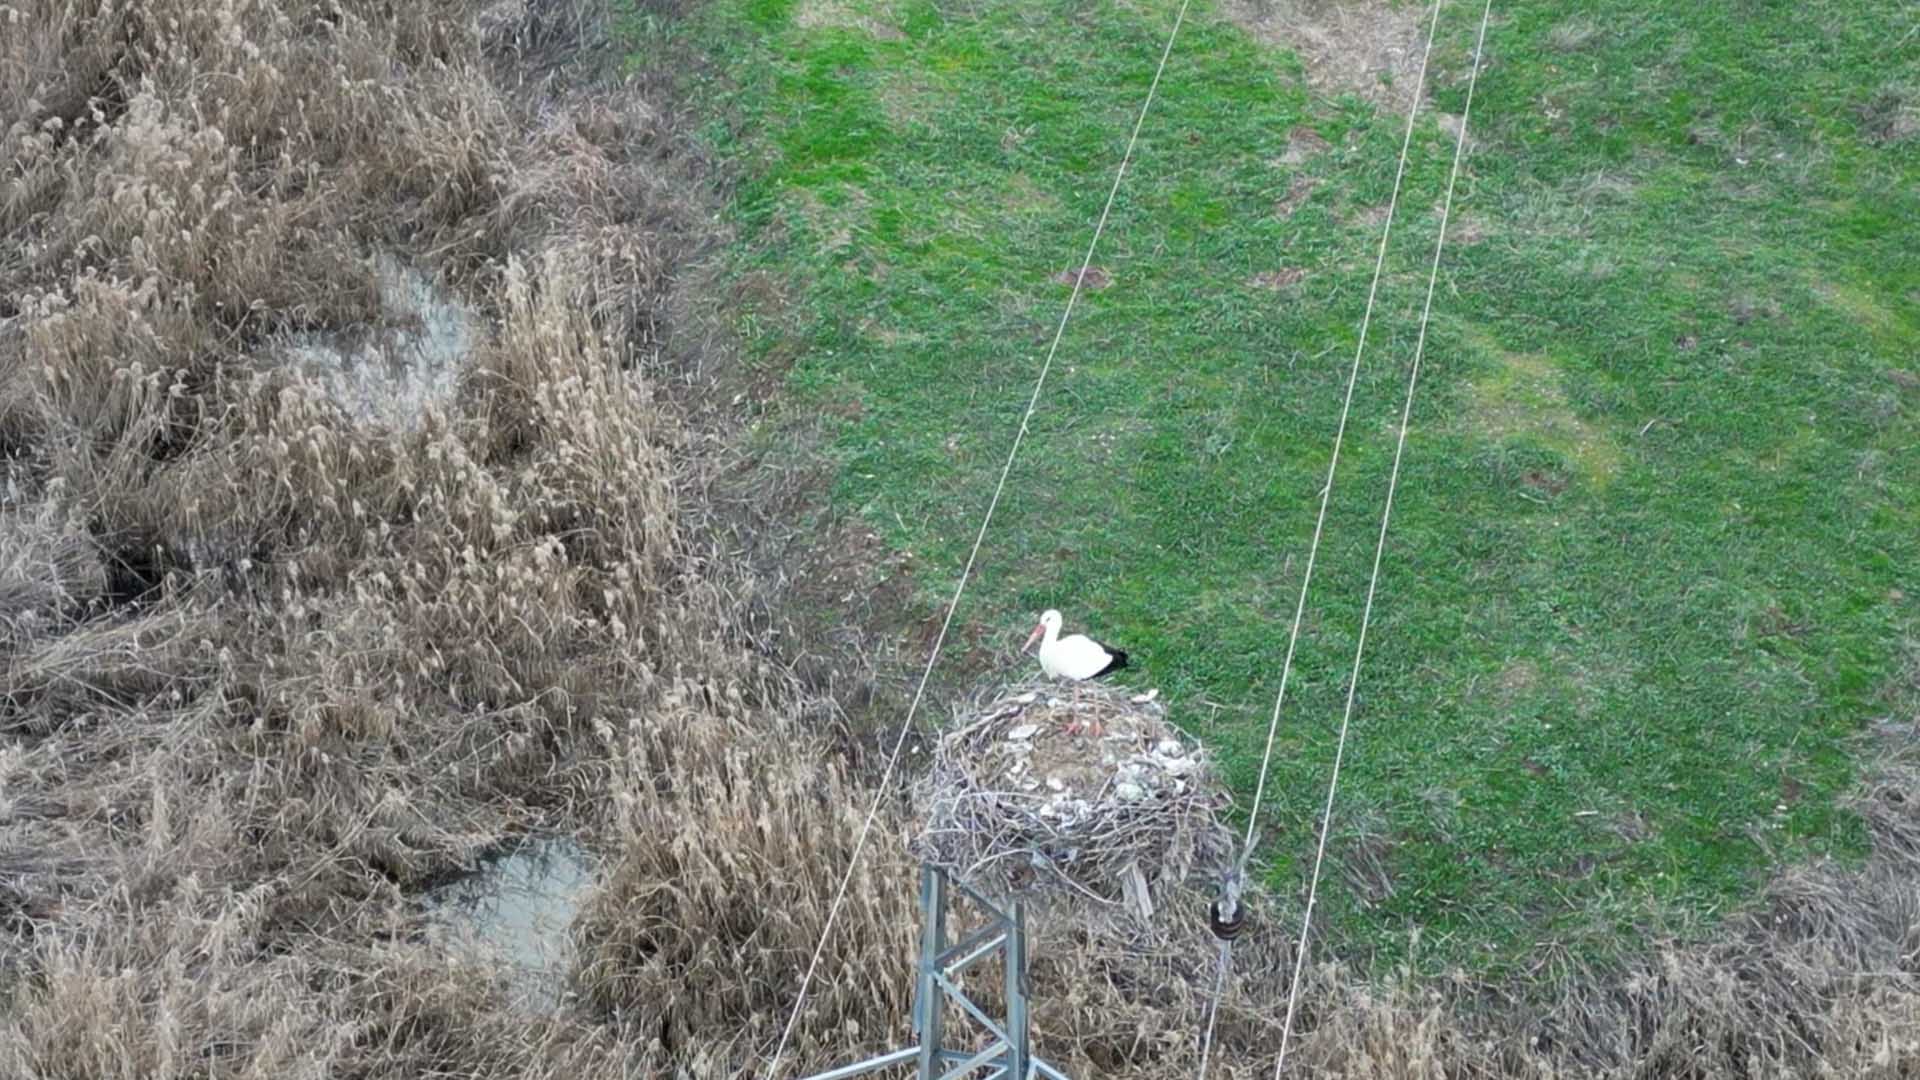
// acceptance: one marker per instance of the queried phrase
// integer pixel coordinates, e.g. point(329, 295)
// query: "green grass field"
point(1652, 555)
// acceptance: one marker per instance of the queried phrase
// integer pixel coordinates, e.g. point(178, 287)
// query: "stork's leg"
point(1088, 727)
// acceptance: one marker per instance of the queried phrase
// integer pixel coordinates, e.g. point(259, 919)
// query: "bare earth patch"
point(833, 223)
point(1517, 678)
point(1297, 194)
point(891, 337)
point(1285, 277)
point(1364, 47)
point(1022, 195)
point(1302, 143)
point(1368, 217)
point(1891, 116)
point(1546, 482)
point(1746, 308)
point(1454, 125)
point(1092, 278)
point(1466, 230)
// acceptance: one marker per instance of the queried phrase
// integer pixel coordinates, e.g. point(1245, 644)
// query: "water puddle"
point(513, 911)
point(391, 376)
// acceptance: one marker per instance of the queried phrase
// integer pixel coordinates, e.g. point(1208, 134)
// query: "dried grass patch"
point(1276, 280)
point(844, 15)
point(1524, 397)
point(1574, 34)
point(1370, 48)
point(1299, 190)
point(276, 656)
point(1891, 115)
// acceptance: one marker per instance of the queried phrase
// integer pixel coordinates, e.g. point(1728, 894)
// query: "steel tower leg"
point(993, 1048)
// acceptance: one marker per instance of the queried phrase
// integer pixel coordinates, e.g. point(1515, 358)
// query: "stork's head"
point(1049, 623)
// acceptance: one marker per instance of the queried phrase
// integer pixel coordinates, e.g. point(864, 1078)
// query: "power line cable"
point(893, 757)
point(1380, 546)
point(1320, 521)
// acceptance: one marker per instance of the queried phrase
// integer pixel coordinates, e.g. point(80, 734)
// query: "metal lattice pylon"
point(943, 965)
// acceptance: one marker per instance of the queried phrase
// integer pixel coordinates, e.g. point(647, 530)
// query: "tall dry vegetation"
point(268, 667)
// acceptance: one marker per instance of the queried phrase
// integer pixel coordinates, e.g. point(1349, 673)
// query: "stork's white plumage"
point(1076, 657)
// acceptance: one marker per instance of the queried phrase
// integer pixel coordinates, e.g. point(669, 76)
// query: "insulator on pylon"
point(1226, 927)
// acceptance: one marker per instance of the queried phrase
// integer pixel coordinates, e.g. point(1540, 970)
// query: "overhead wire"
point(1380, 546)
point(1320, 520)
point(1033, 401)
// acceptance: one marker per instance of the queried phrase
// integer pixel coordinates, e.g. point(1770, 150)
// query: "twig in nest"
point(1008, 781)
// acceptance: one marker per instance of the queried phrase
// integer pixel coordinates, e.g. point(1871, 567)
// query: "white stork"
point(1076, 657)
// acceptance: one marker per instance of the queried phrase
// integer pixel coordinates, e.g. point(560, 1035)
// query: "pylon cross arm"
point(961, 999)
point(974, 947)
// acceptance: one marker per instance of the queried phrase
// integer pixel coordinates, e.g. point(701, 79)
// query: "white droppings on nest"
point(1016, 804)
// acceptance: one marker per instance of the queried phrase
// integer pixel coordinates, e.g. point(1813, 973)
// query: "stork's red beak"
point(1033, 637)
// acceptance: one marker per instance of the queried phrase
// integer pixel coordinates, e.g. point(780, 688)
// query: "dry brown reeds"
point(735, 835)
point(269, 663)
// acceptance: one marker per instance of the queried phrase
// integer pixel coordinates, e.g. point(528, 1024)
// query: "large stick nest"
point(1078, 792)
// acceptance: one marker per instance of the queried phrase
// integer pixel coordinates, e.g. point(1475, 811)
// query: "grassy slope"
point(1652, 550)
